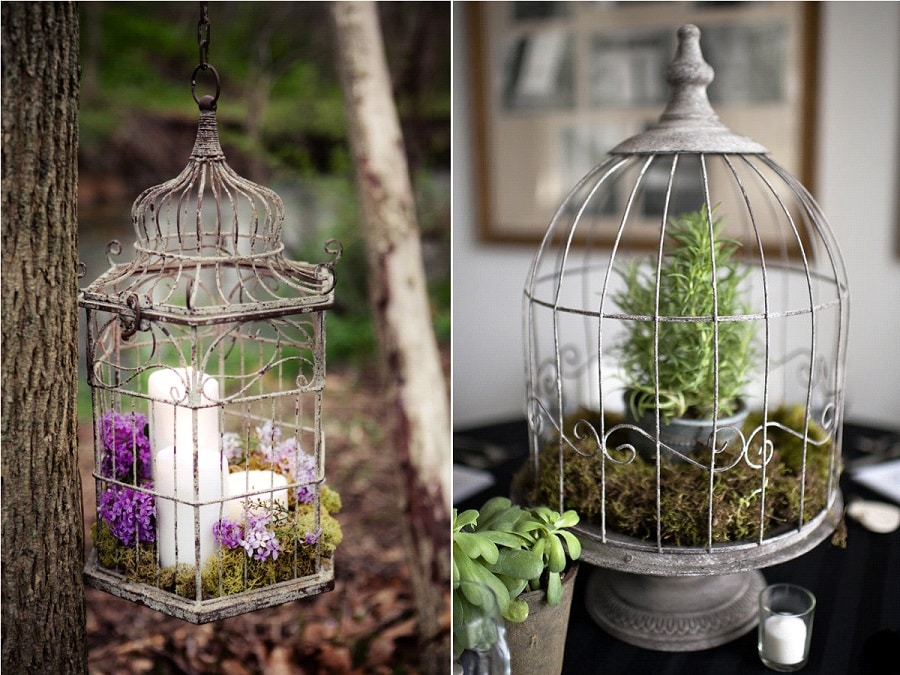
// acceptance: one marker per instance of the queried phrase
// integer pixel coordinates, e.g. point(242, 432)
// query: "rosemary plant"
point(690, 351)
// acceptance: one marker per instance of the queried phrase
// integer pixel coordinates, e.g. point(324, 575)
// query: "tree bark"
point(412, 374)
point(43, 609)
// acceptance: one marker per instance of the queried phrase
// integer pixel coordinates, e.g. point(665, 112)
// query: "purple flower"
point(129, 513)
point(127, 446)
point(291, 459)
point(228, 533)
point(312, 537)
point(231, 446)
point(256, 539)
point(269, 435)
point(260, 542)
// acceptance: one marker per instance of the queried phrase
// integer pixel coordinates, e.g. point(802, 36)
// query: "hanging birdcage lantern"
point(686, 322)
point(206, 362)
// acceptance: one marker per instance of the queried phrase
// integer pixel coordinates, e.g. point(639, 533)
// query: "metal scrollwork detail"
point(113, 249)
point(335, 249)
point(131, 322)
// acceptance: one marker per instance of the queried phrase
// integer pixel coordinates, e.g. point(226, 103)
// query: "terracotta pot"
point(537, 645)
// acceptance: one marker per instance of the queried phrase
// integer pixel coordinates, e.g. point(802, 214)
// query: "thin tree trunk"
point(408, 349)
point(43, 609)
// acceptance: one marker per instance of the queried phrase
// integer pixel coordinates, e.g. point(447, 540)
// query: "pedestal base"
point(674, 614)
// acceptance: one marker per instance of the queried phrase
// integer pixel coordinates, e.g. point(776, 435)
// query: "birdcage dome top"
point(208, 246)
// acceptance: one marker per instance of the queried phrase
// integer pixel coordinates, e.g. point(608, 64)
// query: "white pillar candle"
point(175, 520)
point(171, 421)
point(243, 482)
point(784, 639)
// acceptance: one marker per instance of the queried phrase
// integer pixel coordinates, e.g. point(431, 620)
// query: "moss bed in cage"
point(272, 542)
point(232, 570)
point(631, 487)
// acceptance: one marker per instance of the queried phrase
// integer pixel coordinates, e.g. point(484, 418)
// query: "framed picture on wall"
point(556, 85)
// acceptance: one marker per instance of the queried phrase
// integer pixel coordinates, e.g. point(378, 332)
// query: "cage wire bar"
point(616, 227)
point(206, 363)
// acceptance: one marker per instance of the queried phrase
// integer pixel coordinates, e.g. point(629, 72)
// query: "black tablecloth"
point(857, 622)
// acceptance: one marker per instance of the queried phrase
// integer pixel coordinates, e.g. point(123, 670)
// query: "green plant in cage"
point(702, 358)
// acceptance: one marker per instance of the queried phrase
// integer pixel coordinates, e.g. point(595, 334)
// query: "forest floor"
point(366, 624)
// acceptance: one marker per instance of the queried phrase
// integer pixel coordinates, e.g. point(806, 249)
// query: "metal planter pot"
point(682, 437)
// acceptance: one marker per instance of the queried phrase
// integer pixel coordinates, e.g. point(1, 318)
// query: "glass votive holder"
point(785, 626)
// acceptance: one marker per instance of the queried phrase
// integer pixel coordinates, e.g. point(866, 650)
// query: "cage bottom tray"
point(212, 609)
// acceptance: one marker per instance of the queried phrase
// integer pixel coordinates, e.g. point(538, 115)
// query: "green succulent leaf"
point(464, 519)
point(519, 564)
point(505, 539)
point(568, 519)
point(494, 507)
point(477, 594)
point(554, 589)
point(557, 555)
point(525, 527)
point(474, 572)
point(515, 586)
point(517, 611)
point(505, 521)
point(573, 544)
point(475, 546)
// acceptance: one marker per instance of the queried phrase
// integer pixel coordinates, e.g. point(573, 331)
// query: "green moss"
point(129, 560)
point(232, 571)
point(331, 500)
point(684, 494)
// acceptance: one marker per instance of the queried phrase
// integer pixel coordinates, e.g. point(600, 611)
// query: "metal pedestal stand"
point(674, 614)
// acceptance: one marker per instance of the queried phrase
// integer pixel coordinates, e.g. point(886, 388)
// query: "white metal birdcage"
point(686, 324)
point(206, 362)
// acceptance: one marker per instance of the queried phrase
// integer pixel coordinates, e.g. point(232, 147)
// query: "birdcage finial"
point(689, 123)
point(689, 75)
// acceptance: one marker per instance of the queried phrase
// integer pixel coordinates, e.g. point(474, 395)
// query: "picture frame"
point(556, 85)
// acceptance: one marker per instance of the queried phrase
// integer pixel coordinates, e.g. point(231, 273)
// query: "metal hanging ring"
point(205, 102)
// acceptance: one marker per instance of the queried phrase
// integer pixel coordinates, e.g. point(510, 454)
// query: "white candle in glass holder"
point(784, 639)
point(243, 482)
point(174, 479)
point(171, 421)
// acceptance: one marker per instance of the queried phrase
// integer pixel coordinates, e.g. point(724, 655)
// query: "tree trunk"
point(43, 609)
point(414, 382)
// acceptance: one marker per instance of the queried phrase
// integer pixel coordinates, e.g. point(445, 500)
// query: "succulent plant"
point(509, 550)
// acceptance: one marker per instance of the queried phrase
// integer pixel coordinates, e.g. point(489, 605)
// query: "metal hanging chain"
point(203, 38)
point(203, 33)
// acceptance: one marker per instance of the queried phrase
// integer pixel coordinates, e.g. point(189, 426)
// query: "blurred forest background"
point(282, 123)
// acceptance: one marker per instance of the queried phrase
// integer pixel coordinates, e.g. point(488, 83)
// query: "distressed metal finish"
point(209, 291)
point(796, 302)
